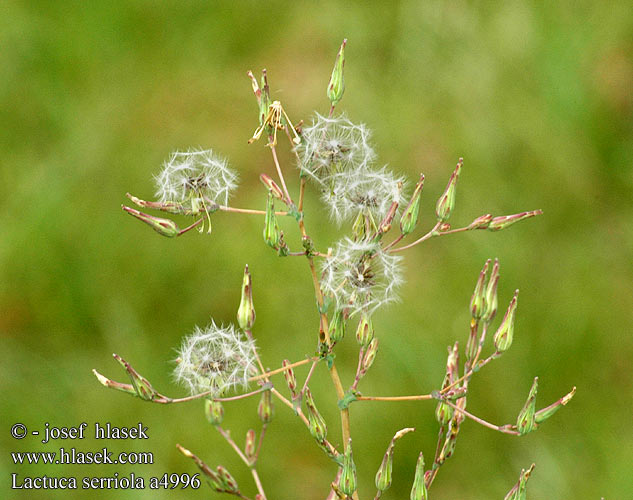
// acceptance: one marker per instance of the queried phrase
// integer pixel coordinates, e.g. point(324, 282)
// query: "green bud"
point(519, 490)
point(452, 362)
point(272, 233)
point(214, 411)
point(347, 481)
point(336, 87)
point(246, 311)
point(478, 299)
point(289, 375)
point(446, 202)
point(265, 409)
point(505, 332)
point(141, 385)
point(359, 228)
point(449, 444)
point(443, 412)
point(526, 421)
point(211, 476)
point(369, 356)
point(337, 326)
point(491, 301)
point(164, 227)
point(365, 330)
point(472, 346)
point(272, 186)
point(499, 223)
point(383, 476)
point(409, 218)
point(229, 483)
point(250, 445)
point(317, 425)
point(481, 222)
point(548, 411)
point(419, 491)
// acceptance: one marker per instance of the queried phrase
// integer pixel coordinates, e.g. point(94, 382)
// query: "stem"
point(227, 435)
point(259, 444)
point(418, 397)
point(361, 353)
point(430, 234)
point(305, 384)
point(505, 429)
point(282, 369)
point(249, 334)
point(243, 396)
point(247, 211)
point(469, 373)
point(273, 149)
point(258, 483)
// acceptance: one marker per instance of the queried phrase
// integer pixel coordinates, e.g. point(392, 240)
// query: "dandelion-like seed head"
point(195, 174)
point(359, 276)
point(334, 145)
point(216, 359)
point(368, 191)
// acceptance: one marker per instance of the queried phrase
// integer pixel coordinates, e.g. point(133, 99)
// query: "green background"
point(537, 99)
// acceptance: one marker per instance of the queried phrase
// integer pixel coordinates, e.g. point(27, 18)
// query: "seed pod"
point(272, 186)
point(246, 311)
point(481, 222)
point(317, 425)
point(211, 476)
point(272, 233)
point(478, 299)
point(337, 326)
point(164, 227)
point(336, 86)
point(214, 411)
point(443, 412)
point(419, 491)
point(446, 202)
point(347, 481)
point(526, 421)
point(141, 385)
point(229, 483)
point(265, 408)
point(383, 476)
point(365, 330)
point(409, 218)
point(289, 375)
point(499, 223)
point(370, 355)
point(503, 336)
point(249, 446)
point(491, 301)
point(547, 412)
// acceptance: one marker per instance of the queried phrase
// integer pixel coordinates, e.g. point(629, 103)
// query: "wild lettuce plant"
point(358, 275)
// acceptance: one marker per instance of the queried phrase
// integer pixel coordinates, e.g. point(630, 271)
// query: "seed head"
point(195, 174)
point(216, 359)
point(359, 275)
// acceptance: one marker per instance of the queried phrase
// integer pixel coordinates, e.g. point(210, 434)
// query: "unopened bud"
point(214, 411)
point(347, 481)
point(317, 425)
point(409, 218)
point(526, 421)
point(383, 476)
point(272, 186)
point(385, 223)
point(211, 476)
point(446, 202)
point(419, 491)
point(443, 412)
point(365, 330)
point(250, 445)
point(337, 326)
point(370, 355)
point(246, 311)
point(164, 227)
point(503, 336)
point(265, 408)
point(336, 87)
point(499, 223)
point(448, 448)
point(229, 483)
point(491, 300)
point(481, 222)
point(272, 233)
point(519, 490)
point(141, 385)
point(289, 374)
point(452, 362)
point(548, 411)
point(478, 299)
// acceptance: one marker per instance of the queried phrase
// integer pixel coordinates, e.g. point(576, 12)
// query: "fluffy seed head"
point(216, 359)
point(360, 276)
point(333, 145)
point(195, 173)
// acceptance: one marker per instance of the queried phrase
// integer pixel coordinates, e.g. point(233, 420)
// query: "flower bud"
point(409, 218)
point(419, 491)
point(365, 330)
point(317, 425)
point(478, 299)
point(246, 311)
point(336, 87)
point(446, 202)
point(272, 186)
point(499, 223)
point(383, 476)
point(548, 411)
point(370, 356)
point(526, 421)
point(337, 326)
point(347, 481)
point(491, 302)
point(272, 233)
point(291, 380)
point(229, 483)
point(265, 408)
point(250, 445)
point(214, 411)
point(443, 412)
point(164, 227)
point(481, 222)
point(505, 332)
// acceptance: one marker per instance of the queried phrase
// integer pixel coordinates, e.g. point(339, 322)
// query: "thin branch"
point(227, 435)
point(282, 369)
point(418, 397)
point(505, 429)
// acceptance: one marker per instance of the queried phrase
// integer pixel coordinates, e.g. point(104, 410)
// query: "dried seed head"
point(195, 174)
point(216, 359)
point(359, 275)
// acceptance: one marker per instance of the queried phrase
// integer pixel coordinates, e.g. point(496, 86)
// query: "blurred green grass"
point(538, 100)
